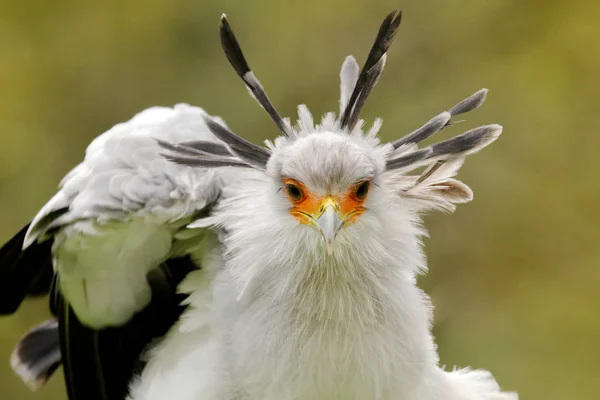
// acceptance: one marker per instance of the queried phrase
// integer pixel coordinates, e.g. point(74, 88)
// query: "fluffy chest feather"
point(328, 334)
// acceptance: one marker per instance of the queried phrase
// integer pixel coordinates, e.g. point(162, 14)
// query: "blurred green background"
point(515, 274)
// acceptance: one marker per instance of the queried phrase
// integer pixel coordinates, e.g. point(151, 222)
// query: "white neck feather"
point(356, 314)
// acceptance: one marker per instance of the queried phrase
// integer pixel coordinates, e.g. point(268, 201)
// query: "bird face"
point(326, 180)
point(327, 213)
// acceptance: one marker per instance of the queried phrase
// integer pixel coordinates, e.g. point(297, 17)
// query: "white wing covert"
point(116, 214)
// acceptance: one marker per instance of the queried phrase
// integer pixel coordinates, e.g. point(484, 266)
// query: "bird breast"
point(330, 337)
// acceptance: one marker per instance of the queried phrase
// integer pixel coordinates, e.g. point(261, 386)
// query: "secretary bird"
point(186, 262)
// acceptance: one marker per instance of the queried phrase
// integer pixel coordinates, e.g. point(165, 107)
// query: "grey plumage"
point(206, 154)
point(37, 355)
point(409, 159)
point(430, 171)
point(372, 69)
point(470, 103)
point(207, 147)
point(237, 60)
point(181, 148)
point(245, 150)
point(256, 156)
point(348, 78)
point(435, 125)
point(460, 145)
point(370, 82)
point(203, 162)
point(432, 126)
point(467, 142)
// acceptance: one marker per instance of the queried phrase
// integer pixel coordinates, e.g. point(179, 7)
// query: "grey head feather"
point(370, 82)
point(370, 72)
point(470, 103)
point(204, 162)
point(207, 147)
point(468, 142)
point(433, 125)
point(430, 171)
point(235, 151)
point(355, 88)
point(348, 79)
point(182, 148)
point(408, 159)
point(236, 58)
point(459, 146)
point(245, 150)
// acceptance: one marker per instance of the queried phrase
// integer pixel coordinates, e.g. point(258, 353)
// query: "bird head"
point(332, 177)
point(325, 181)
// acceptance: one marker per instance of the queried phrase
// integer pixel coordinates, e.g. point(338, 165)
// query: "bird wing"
point(117, 215)
point(116, 235)
point(123, 176)
point(99, 364)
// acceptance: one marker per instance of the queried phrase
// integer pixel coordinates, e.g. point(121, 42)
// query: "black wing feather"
point(99, 364)
point(23, 272)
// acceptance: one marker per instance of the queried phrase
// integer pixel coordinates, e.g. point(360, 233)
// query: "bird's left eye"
point(362, 190)
point(294, 192)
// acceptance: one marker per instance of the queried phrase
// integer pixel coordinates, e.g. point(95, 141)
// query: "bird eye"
point(362, 190)
point(294, 192)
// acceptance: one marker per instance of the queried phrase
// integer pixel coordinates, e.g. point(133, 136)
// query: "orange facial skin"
point(309, 206)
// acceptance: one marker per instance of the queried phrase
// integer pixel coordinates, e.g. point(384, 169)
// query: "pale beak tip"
point(329, 224)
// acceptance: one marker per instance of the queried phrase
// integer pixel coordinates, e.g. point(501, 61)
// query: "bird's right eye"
point(294, 192)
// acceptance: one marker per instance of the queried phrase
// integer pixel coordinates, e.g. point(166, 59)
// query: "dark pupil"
point(294, 192)
point(362, 190)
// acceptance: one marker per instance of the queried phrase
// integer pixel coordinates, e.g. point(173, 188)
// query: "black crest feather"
point(372, 69)
point(459, 146)
point(207, 147)
point(435, 124)
point(467, 142)
point(247, 151)
point(236, 58)
point(236, 151)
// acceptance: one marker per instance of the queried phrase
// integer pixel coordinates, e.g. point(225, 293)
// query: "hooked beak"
point(329, 223)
